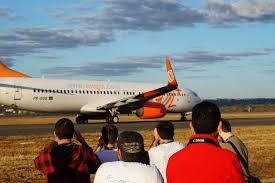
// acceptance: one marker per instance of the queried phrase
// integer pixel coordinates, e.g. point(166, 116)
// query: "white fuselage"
point(55, 95)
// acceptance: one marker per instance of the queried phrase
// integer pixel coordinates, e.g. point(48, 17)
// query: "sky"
point(218, 48)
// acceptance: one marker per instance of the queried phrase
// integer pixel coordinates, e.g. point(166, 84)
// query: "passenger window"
point(108, 92)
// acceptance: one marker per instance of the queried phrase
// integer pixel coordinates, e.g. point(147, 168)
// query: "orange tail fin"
point(170, 74)
point(7, 72)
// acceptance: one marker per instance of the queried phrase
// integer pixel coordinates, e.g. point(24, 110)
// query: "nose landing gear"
point(183, 116)
point(80, 119)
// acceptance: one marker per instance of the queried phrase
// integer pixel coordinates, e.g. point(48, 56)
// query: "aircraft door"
point(189, 98)
point(17, 93)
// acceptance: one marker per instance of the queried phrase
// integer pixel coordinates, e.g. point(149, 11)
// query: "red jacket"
point(68, 163)
point(204, 162)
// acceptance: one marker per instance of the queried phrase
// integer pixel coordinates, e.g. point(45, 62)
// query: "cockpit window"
point(196, 95)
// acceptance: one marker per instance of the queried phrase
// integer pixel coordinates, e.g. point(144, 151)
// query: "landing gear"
point(183, 117)
point(112, 119)
point(81, 119)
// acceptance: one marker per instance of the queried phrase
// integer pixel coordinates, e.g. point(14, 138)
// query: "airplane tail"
point(170, 74)
point(7, 72)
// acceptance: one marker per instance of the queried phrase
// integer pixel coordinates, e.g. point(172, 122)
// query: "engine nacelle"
point(151, 110)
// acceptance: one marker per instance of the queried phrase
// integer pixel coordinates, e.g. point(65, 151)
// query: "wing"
point(137, 100)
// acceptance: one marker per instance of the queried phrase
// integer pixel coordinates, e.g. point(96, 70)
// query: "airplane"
point(95, 99)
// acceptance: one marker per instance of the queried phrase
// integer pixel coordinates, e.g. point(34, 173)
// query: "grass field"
point(17, 153)
point(123, 118)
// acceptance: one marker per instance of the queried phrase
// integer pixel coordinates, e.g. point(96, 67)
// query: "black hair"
point(109, 134)
point(131, 137)
point(205, 117)
point(226, 127)
point(64, 129)
point(165, 130)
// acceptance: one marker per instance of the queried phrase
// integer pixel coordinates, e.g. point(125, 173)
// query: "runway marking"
point(26, 143)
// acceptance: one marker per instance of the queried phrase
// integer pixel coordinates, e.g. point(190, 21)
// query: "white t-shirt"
point(107, 155)
point(127, 172)
point(160, 155)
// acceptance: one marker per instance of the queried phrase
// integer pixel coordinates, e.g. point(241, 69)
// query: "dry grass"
point(17, 153)
point(123, 118)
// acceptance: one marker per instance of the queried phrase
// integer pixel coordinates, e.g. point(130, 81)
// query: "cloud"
point(7, 61)
point(128, 66)
point(224, 13)
point(51, 57)
point(82, 6)
point(23, 41)
point(9, 14)
point(148, 15)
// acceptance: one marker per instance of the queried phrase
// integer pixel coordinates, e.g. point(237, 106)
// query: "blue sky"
point(219, 48)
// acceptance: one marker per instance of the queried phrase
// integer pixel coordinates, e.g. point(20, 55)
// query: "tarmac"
point(43, 129)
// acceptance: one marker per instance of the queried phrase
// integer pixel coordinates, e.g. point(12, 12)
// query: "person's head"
point(206, 118)
point(165, 130)
point(224, 130)
point(131, 147)
point(64, 129)
point(109, 134)
point(226, 127)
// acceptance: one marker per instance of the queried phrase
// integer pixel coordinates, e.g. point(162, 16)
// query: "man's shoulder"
point(131, 166)
point(165, 147)
point(120, 171)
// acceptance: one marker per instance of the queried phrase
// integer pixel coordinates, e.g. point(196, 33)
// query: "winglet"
point(170, 74)
point(7, 72)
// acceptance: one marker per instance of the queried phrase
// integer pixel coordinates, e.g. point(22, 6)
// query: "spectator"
point(227, 138)
point(163, 146)
point(133, 165)
point(106, 149)
point(64, 161)
point(203, 160)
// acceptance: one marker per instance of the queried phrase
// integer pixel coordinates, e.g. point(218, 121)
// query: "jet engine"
point(151, 110)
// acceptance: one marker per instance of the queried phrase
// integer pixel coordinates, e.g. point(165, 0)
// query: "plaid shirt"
point(75, 169)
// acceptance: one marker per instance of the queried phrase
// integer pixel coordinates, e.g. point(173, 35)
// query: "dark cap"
point(130, 142)
point(205, 117)
point(132, 147)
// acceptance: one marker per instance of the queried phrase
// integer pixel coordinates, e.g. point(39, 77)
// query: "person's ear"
point(192, 128)
point(55, 136)
point(219, 129)
point(156, 134)
point(119, 157)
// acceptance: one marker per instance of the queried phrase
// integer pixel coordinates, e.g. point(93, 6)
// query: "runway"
point(43, 129)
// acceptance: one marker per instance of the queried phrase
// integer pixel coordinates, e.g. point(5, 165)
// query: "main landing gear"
point(112, 119)
point(183, 116)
